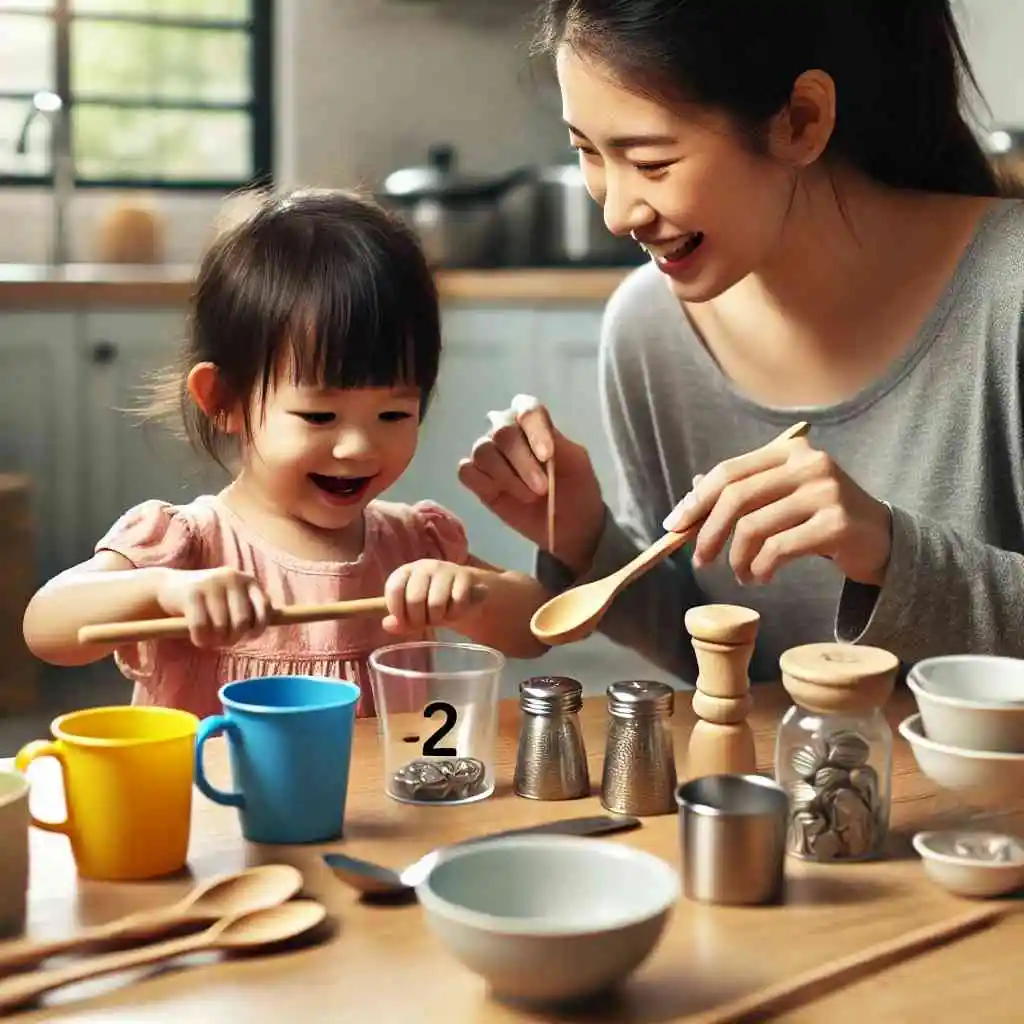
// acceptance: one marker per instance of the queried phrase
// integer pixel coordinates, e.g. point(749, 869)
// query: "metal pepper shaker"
point(639, 761)
point(551, 762)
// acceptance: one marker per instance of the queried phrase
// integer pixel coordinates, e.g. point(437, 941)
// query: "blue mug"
point(290, 747)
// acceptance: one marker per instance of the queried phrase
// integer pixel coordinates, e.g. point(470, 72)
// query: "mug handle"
point(208, 728)
point(32, 752)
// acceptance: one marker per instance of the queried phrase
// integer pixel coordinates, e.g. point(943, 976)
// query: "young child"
point(312, 353)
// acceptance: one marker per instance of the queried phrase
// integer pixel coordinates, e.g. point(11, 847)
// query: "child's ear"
point(208, 392)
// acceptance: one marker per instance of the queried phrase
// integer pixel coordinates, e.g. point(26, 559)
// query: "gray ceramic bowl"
point(549, 918)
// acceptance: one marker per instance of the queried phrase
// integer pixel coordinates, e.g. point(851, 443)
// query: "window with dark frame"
point(172, 94)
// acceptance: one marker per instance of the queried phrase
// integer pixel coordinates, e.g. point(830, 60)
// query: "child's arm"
point(220, 604)
point(436, 593)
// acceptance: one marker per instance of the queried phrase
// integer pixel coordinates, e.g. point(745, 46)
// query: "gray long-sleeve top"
point(939, 437)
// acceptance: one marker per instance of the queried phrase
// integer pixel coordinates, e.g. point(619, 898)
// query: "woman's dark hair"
point(322, 276)
point(899, 67)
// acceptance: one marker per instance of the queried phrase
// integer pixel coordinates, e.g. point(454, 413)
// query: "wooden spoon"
point(575, 613)
point(224, 896)
point(152, 629)
point(253, 930)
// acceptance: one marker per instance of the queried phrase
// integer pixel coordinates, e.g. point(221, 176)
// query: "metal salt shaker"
point(551, 762)
point(639, 761)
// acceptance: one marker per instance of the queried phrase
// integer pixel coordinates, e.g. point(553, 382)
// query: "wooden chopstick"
point(152, 629)
point(551, 505)
point(803, 988)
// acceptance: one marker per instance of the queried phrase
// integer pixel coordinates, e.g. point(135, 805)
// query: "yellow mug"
point(127, 775)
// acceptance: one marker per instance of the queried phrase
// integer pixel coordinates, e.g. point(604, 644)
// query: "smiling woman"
point(828, 244)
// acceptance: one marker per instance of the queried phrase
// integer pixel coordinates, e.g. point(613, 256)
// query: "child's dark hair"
point(898, 66)
point(324, 276)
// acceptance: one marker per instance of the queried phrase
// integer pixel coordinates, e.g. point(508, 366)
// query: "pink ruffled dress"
point(206, 534)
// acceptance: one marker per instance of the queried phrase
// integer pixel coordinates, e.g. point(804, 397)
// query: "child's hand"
point(428, 593)
point(222, 605)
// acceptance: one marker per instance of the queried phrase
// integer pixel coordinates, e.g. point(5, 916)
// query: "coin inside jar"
point(439, 780)
point(836, 810)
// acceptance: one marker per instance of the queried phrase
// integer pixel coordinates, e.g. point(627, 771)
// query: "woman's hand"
point(428, 593)
point(507, 472)
point(221, 605)
point(780, 503)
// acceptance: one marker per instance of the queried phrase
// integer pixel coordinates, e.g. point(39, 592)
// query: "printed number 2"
point(430, 748)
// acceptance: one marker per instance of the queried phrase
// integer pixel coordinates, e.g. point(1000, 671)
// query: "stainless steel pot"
point(568, 225)
point(459, 218)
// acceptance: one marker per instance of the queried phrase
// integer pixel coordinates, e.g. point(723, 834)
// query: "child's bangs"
point(349, 337)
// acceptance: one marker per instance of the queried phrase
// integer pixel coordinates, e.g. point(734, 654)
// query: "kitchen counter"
point(34, 286)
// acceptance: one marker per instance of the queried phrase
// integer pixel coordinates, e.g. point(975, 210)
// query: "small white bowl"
point(549, 919)
point(989, 779)
point(975, 701)
point(965, 875)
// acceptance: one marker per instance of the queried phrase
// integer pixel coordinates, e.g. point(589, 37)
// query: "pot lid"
point(440, 179)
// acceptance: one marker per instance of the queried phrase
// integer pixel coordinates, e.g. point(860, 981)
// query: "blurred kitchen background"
point(125, 125)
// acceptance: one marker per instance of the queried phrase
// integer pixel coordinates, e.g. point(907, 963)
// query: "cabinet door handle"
point(104, 352)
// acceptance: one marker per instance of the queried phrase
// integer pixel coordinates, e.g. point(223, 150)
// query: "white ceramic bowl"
point(549, 918)
point(968, 876)
point(989, 779)
point(974, 701)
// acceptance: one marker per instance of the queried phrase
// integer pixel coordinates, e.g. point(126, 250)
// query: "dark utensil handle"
point(602, 824)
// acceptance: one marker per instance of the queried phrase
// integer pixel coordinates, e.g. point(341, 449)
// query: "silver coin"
point(848, 749)
point(802, 796)
point(420, 773)
point(830, 777)
point(808, 758)
point(865, 781)
point(827, 846)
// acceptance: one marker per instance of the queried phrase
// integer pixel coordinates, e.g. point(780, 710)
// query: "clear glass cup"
point(437, 705)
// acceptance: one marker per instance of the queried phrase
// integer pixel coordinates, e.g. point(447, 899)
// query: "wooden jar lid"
point(722, 623)
point(832, 677)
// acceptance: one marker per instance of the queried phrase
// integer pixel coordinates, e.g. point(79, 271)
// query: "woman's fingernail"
point(538, 482)
point(678, 514)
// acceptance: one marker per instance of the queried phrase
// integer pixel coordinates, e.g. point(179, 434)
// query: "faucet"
point(49, 104)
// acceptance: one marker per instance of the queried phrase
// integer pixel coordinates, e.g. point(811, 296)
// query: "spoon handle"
point(146, 924)
point(671, 542)
point(24, 987)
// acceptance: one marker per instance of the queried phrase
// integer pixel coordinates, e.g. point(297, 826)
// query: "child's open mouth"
point(343, 490)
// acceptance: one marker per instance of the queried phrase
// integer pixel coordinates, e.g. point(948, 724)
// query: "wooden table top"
point(379, 963)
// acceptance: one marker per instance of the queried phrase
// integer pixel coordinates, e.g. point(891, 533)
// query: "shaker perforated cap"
point(550, 695)
point(631, 698)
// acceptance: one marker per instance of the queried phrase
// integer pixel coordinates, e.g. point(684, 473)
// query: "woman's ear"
point(208, 392)
point(801, 132)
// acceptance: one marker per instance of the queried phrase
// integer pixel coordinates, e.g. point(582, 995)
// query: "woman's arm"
point(943, 593)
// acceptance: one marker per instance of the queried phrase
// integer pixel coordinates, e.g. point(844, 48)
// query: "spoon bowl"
point(222, 896)
point(267, 926)
point(255, 888)
point(575, 613)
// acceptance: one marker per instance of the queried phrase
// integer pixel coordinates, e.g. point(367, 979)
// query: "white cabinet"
point(129, 458)
point(488, 355)
point(38, 425)
point(568, 341)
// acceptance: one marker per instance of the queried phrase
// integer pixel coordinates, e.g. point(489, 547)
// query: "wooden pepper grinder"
point(723, 638)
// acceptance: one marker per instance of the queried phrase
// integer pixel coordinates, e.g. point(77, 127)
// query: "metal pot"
point(568, 225)
point(458, 218)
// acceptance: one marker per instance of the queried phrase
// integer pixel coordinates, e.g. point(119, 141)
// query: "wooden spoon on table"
point(575, 613)
point(225, 896)
point(166, 628)
point(266, 927)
